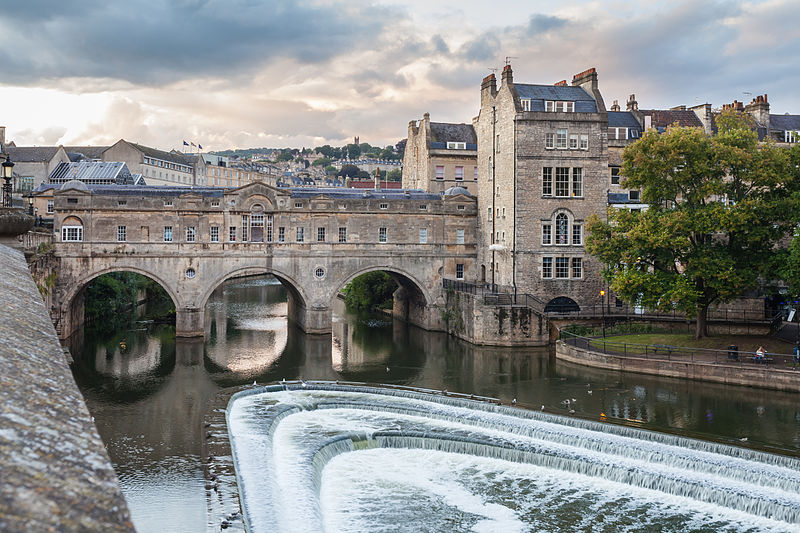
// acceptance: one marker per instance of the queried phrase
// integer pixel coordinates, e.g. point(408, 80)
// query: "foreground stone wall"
point(54, 471)
point(767, 377)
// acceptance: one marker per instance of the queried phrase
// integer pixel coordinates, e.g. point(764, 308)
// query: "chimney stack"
point(759, 110)
point(507, 77)
point(587, 77)
point(633, 105)
point(489, 84)
point(615, 106)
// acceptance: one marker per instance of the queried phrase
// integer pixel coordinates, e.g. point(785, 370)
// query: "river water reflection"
point(148, 391)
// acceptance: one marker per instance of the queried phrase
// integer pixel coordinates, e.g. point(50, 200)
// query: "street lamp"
point(30, 203)
point(603, 307)
point(8, 173)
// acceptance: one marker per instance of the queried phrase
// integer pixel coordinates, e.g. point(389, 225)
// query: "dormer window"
point(526, 104)
point(790, 136)
point(554, 106)
point(456, 146)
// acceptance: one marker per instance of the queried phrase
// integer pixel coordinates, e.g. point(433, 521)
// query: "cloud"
point(161, 41)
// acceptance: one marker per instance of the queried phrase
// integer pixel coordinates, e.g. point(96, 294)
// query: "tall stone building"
point(542, 170)
point(440, 155)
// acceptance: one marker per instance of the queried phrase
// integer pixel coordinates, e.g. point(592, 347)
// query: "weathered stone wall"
point(468, 318)
point(56, 475)
point(751, 376)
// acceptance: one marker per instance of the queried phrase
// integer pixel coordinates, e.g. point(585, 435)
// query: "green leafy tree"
point(349, 171)
point(321, 162)
point(394, 175)
point(284, 155)
point(717, 208)
point(370, 290)
point(353, 151)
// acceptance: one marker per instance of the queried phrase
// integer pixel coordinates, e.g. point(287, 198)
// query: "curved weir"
point(326, 457)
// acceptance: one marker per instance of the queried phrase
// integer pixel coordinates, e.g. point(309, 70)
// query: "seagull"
point(743, 439)
point(387, 369)
point(254, 383)
point(543, 408)
point(572, 411)
point(588, 392)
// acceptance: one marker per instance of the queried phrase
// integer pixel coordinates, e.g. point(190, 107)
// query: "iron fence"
point(730, 356)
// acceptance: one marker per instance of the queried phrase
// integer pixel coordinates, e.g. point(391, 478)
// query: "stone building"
point(542, 170)
point(157, 166)
point(440, 155)
point(33, 164)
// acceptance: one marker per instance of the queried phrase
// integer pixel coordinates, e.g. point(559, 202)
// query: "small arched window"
point(562, 229)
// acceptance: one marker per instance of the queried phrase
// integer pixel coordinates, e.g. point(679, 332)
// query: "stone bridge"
point(315, 241)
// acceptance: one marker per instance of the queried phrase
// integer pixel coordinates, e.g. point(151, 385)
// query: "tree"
point(321, 162)
point(400, 147)
point(789, 264)
point(370, 290)
point(349, 171)
point(717, 207)
point(353, 151)
point(394, 175)
point(284, 155)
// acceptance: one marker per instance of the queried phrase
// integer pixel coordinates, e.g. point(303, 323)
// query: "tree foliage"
point(110, 295)
point(718, 207)
point(394, 175)
point(369, 291)
point(349, 171)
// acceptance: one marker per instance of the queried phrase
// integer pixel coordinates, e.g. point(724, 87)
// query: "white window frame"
point(584, 142)
point(562, 265)
point(321, 233)
point(550, 141)
point(573, 141)
point(577, 182)
point(459, 270)
point(51, 207)
point(300, 235)
point(214, 233)
point(576, 264)
point(459, 236)
point(383, 235)
point(561, 138)
point(71, 233)
point(547, 234)
point(577, 234)
point(342, 234)
point(122, 233)
point(232, 234)
point(547, 267)
point(423, 235)
point(526, 104)
point(456, 146)
point(439, 175)
point(384, 206)
point(191, 234)
point(459, 173)
point(547, 181)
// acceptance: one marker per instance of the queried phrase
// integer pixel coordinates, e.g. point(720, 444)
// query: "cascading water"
point(327, 457)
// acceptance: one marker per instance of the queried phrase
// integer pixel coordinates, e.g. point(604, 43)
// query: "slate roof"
point(89, 152)
point(623, 119)
point(584, 102)
point(165, 156)
point(784, 122)
point(661, 118)
point(31, 154)
point(445, 132)
point(387, 194)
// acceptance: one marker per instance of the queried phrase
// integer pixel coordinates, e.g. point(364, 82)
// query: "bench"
point(765, 361)
point(664, 348)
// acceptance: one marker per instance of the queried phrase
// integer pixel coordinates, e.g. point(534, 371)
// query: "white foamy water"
point(359, 459)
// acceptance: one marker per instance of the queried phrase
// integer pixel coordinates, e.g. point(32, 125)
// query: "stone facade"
point(542, 170)
point(157, 166)
point(314, 240)
point(439, 155)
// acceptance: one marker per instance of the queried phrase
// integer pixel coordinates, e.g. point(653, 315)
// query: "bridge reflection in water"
point(149, 398)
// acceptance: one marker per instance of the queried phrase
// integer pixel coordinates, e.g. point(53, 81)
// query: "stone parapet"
point(56, 475)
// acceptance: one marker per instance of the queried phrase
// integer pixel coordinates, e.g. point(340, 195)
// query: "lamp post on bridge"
point(8, 173)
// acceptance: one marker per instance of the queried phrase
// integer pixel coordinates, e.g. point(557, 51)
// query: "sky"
point(280, 73)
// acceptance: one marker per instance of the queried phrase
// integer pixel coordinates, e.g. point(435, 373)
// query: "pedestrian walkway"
point(789, 332)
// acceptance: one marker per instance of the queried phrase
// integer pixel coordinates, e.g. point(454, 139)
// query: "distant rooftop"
point(538, 94)
point(445, 132)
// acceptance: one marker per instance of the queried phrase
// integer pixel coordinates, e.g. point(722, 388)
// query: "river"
point(148, 391)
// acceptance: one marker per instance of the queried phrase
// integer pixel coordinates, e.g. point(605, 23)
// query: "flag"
point(193, 144)
point(200, 146)
point(185, 143)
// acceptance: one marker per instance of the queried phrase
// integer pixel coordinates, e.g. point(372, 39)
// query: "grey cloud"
point(161, 41)
point(543, 23)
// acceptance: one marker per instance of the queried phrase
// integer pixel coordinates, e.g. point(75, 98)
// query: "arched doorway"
point(562, 304)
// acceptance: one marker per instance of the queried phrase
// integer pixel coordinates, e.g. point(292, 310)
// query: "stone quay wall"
point(55, 472)
point(469, 318)
point(766, 377)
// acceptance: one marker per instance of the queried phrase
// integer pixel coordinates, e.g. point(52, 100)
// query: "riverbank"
point(729, 373)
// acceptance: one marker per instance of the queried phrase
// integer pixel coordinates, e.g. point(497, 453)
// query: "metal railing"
point(494, 294)
point(667, 352)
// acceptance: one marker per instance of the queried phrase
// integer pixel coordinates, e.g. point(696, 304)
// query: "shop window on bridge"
point(72, 230)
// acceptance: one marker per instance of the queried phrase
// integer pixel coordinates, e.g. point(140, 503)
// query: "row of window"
point(623, 133)
point(459, 174)
point(568, 181)
point(565, 267)
point(550, 106)
point(563, 140)
point(256, 233)
point(166, 164)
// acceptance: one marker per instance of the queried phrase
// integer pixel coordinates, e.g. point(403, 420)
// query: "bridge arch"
point(71, 303)
point(401, 276)
point(292, 286)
